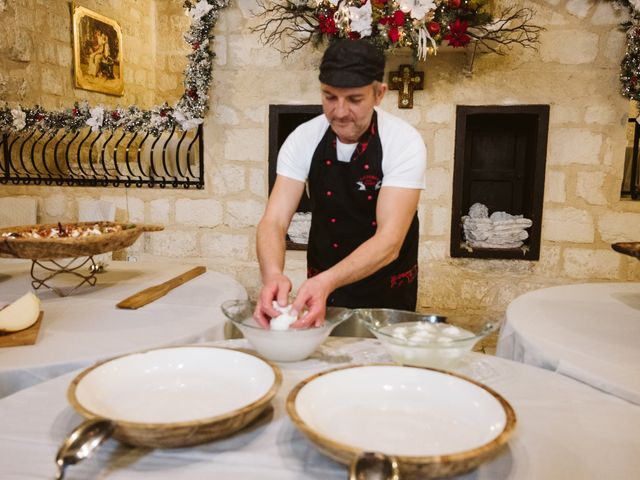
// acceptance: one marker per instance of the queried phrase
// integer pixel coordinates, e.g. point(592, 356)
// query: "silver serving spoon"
point(82, 442)
point(374, 466)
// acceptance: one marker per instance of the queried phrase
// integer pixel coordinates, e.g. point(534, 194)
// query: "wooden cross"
point(406, 80)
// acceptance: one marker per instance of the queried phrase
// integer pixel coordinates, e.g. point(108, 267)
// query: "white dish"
point(289, 345)
point(422, 416)
point(181, 387)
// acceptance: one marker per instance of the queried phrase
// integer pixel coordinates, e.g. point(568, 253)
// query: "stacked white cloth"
point(499, 230)
point(299, 228)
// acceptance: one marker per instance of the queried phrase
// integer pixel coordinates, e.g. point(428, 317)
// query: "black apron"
point(343, 204)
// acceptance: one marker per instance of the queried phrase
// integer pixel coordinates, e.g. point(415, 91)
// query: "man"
point(365, 169)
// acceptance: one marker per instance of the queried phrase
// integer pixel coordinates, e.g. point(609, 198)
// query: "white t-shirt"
point(404, 155)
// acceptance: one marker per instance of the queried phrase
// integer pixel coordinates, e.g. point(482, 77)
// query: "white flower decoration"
point(97, 118)
point(636, 4)
point(19, 118)
point(186, 122)
point(361, 19)
point(200, 10)
point(418, 8)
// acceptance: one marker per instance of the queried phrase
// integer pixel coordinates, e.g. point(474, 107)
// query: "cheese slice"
point(21, 314)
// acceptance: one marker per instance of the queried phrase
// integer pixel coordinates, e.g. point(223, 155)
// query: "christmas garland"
point(630, 65)
point(186, 114)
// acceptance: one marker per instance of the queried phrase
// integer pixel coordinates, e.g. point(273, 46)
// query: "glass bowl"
point(425, 340)
point(281, 345)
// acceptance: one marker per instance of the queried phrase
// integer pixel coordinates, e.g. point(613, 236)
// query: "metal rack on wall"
point(116, 158)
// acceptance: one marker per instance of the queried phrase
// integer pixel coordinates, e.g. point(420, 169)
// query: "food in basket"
point(69, 230)
point(20, 314)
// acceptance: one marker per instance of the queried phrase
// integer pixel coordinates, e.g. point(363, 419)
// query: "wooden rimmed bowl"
point(436, 423)
point(70, 247)
point(176, 396)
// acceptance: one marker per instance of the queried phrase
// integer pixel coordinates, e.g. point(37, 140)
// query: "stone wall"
point(575, 71)
point(36, 52)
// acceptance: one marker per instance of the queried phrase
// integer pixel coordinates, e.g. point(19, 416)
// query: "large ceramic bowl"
point(424, 340)
point(435, 423)
point(281, 345)
point(175, 397)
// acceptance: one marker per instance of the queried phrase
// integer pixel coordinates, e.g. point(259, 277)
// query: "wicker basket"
point(68, 247)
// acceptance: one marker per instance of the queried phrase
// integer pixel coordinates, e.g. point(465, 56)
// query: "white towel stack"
point(299, 227)
point(498, 230)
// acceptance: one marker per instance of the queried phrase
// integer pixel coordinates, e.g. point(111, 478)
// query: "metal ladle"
point(374, 466)
point(82, 442)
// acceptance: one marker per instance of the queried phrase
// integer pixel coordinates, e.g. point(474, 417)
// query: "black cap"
point(351, 63)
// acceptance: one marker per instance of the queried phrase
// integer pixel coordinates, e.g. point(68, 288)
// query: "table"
point(85, 327)
point(590, 332)
point(565, 430)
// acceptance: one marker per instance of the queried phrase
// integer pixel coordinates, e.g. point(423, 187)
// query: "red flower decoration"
point(196, 45)
point(398, 18)
point(192, 93)
point(394, 35)
point(115, 115)
point(433, 28)
point(39, 117)
point(454, 3)
point(163, 112)
point(327, 24)
point(457, 35)
point(354, 35)
point(75, 112)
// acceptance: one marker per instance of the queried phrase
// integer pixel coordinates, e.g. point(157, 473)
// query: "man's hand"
point(276, 288)
point(312, 296)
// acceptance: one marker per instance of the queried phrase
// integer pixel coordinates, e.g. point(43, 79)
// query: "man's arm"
point(394, 213)
point(270, 243)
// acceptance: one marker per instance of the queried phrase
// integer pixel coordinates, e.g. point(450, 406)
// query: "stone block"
point(615, 46)
point(258, 114)
point(568, 224)
point(51, 81)
point(258, 182)
point(21, 48)
point(438, 183)
point(225, 115)
point(444, 147)
point(585, 263)
point(590, 186)
point(245, 144)
point(560, 114)
point(246, 51)
point(64, 55)
point(431, 250)
point(56, 205)
point(619, 227)
point(440, 113)
point(199, 212)
point(604, 114)
point(172, 243)
point(226, 245)
point(606, 14)
point(579, 8)
point(243, 213)
point(159, 211)
point(555, 187)
point(228, 178)
point(583, 47)
point(439, 221)
point(574, 145)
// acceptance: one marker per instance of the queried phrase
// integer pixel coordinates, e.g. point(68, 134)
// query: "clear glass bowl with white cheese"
point(425, 340)
point(287, 345)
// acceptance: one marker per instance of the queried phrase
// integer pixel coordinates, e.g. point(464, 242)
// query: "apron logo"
point(404, 278)
point(369, 182)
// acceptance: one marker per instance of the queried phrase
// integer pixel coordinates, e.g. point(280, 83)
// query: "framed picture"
point(97, 52)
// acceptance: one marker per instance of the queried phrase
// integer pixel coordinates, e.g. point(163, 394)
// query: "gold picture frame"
point(97, 52)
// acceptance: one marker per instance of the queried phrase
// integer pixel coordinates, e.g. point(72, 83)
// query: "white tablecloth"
point(85, 327)
point(590, 332)
point(565, 430)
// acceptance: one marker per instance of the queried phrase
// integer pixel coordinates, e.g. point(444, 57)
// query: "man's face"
point(349, 110)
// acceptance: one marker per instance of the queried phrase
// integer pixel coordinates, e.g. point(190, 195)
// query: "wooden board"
point(151, 294)
point(28, 336)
